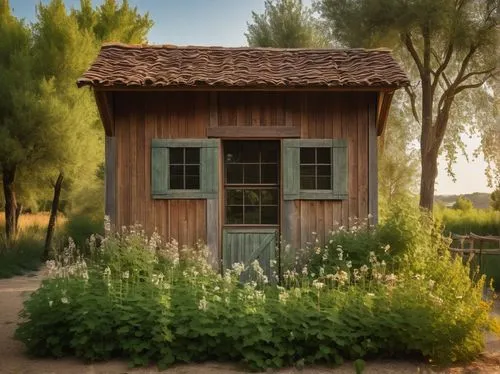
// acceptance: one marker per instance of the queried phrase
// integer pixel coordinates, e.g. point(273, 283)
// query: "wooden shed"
point(239, 147)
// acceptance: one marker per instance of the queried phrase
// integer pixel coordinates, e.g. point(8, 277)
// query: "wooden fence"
point(473, 244)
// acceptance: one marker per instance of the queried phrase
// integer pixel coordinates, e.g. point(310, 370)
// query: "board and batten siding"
point(139, 118)
point(143, 116)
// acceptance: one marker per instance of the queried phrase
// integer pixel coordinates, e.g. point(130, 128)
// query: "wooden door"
point(245, 245)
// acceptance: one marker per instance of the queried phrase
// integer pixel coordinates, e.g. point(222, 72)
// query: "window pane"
point(249, 151)
point(192, 155)
point(324, 183)
point(234, 214)
point(176, 182)
point(234, 174)
point(177, 170)
point(269, 151)
point(193, 170)
point(269, 197)
point(192, 182)
point(269, 215)
point(252, 215)
point(307, 170)
point(251, 173)
point(269, 173)
point(252, 197)
point(232, 152)
point(307, 183)
point(234, 197)
point(324, 155)
point(176, 155)
point(324, 170)
point(307, 155)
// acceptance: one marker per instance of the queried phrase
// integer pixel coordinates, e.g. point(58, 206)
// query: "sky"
point(224, 23)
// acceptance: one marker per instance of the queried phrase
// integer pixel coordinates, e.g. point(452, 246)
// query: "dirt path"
point(13, 360)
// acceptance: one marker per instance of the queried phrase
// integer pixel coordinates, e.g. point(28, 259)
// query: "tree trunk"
point(19, 211)
point(53, 216)
point(428, 180)
point(8, 178)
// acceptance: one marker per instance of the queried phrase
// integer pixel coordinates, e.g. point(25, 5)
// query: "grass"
point(23, 255)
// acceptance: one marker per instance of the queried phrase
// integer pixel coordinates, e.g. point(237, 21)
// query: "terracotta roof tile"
point(119, 65)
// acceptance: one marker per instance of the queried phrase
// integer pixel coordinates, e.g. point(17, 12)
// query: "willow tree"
point(285, 24)
point(449, 45)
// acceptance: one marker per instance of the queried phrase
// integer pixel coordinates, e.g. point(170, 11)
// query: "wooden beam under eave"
point(104, 101)
point(383, 106)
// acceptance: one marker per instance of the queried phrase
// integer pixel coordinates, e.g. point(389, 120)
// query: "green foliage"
point(285, 24)
point(80, 227)
point(22, 255)
point(463, 204)
point(151, 302)
point(495, 199)
point(463, 222)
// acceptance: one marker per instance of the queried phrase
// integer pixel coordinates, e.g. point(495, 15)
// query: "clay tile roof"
point(119, 65)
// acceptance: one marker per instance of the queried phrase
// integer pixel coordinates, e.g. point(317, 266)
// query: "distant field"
point(38, 219)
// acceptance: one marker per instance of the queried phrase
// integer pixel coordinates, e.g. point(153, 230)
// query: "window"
point(315, 169)
point(251, 178)
point(184, 168)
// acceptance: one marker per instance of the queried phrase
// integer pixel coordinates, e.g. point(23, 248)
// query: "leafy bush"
point(22, 255)
point(158, 303)
point(81, 227)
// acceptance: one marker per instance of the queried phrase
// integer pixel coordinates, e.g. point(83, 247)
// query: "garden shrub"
point(80, 227)
point(159, 303)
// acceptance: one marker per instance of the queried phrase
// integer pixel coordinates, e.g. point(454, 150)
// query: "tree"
point(15, 41)
point(66, 43)
point(285, 24)
point(449, 44)
point(495, 199)
point(463, 204)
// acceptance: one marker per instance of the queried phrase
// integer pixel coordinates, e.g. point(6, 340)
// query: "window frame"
point(251, 186)
point(291, 169)
point(160, 169)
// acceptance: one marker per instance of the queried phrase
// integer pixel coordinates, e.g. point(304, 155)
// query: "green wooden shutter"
point(291, 169)
point(339, 169)
point(209, 168)
point(247, 245)
point(290, 161)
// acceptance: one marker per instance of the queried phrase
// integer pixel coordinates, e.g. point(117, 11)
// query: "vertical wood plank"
point(372, 160)
point(362, 144)
point(212, 223)
point(110, 179)
point(214, 109)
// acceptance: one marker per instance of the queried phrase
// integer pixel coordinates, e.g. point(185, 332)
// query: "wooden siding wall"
point(319, 115)
point(142, 116)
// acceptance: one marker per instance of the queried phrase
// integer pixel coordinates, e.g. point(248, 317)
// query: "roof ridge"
point(243, 48)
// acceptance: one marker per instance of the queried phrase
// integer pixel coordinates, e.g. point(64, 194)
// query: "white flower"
point(304, 270)
point(349, 264)
point(64, 300)
point(390, 278)
point(216, 288)
point(317, 285)
point(50, 303)
point(107, 271)
point(283, 297)
point(126, 274)
point(370, 294)
point(387, 248)
point(238, 268)
point(363, 269)
point(431, 284)
point(203, 305)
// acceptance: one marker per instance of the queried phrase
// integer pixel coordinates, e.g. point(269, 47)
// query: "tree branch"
point(443, 65)
point(413, 52)
point(413, 100)
point(472, 85)
point(467, 76)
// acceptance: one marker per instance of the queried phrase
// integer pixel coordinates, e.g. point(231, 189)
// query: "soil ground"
point(14, 361)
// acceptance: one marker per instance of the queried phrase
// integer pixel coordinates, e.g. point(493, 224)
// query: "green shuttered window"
point(184, 168)
point(315, 169)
